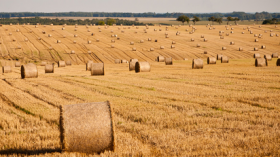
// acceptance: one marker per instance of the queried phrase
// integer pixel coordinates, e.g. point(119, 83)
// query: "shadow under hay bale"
point(268, 57)
point(87, 128)
point(160, 58)
point(6, 69)
point(211, 60)
point(260, 62)
point(61, 63)
point(88, 65)
point(168, 61)
point(17, 64)
point(142, 67)
point(68, 63)
point(224, 59)
point(97, 69)
point(29, 71)
point(197, 63)
point(49, 68)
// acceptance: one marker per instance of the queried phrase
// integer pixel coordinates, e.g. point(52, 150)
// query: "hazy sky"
point(158, 6)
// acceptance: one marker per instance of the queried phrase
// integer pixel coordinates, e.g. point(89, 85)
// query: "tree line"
point(258, 16)
point(47, 21)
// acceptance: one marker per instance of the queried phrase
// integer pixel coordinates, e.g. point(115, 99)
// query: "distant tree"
point(257, 15)
point(274, 20)
point(111, 21)
point(235, 20)
point(219, 20)
point(229, 19)
point(136, 19)
point(101, 23)
point(195, 19)
point(212, 18)
point(183, 19)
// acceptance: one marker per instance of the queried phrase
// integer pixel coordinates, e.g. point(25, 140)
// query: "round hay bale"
point(160, 59)
point(202, 36)
point(123, 61)
point(117, 61)
point(17, 64)
point(29, 71)
point(166, 36)
point(268, 57)
point(161, 47)
point(256, 49)
point(219, 57)
point(75, 35)
point(205, 52)
point(89, 42)
point(43, 63)
point(112, 46)
point(231, 32)
point(211, 60)
point(88, 65)
point(240, 49)
point(72, 52)
point(197, 63)
point(61, 63)
point(87, 128)
point(6, 69)
point(274, 55)
point(227, 34)
point(256, 40)
point(232, 28)
point(232, 43)
point(89, 52)
point(14, 40)
point(68, 63)
point(260, 62)
point(97, 40)
point(63, 28)
point(74, 41)
point(224, 48)
point(133, 60)
point(255, 35)
point(88, 30)
point(10, 34)
point(243, 32)
point(222, 37)
point(97, 69)
point(131, 43)
point(205, 40)
point(149, 39)
point(133, 49)
point(141, 41)
point(156, 40)
point(278, 62)
point(198, 45)
point(224, 59)
point(112, 41)
point(257, 55)
point(132, 65)
point(49, 35)
point(173, 46)
point(49, 68)
point(192, 39)
point(142, 67)
point(277, 35)
point(168, 61)
point(173, 42)
point(92, 34)
point(75, 29)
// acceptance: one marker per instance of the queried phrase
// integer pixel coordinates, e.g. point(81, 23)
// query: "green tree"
point(183, 19)
point(195, 19)
point(212, 18)
point(274, 20)
point(111, 22)
point(229, 19)
point(235, 20)
point(219, 20)
point(101, 23)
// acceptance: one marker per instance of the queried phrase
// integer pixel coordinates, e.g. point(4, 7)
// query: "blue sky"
point(138, 6)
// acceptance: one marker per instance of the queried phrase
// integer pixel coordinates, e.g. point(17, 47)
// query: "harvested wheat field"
point(223, 109)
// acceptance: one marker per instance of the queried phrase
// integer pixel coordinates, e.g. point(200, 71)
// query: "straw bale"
point(68, 63)
point(219, 56)
point(224, 59)
point(198, 45)
point(112, 46)
point(75, 35)
point(43, 63)
point(192, 39)
point(88, 65)
point(173, 42)
point(149, 39)
point(133, 49)
point(117, 61)
point(160, 59)
point(17, 64)
point(232, 43)
point(222, 37)
point(49, 68)
point(227, 34)
point(257, 55)
point(166, 36)
point(72, 52)
point(74, 41)
point(141, 41)
point(89, 42)
point(131, 43)
point(97, 69)
point(274, 55)
point(61, 63)
point(256, 49)
point(243, 32)
point(268, 57)
point(173, 46)
point(142, 67)
point(10, 34)
point(87, 128)
point(29, 71)
point(205, 40)
point(123, 61)
point(6, 69)
point(240, 49)
point(161, 47)
point(256, 40)
point(89, 52)
point(202, 36)
point(211, 60)
point(168, 61)
point(260, 62)
point(132, 65)
point(92, 34)
point(197, 63)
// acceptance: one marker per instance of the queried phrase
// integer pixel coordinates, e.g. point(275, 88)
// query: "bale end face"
point(87, 128)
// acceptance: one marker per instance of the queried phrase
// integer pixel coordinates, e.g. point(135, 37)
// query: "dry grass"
point(221, 110)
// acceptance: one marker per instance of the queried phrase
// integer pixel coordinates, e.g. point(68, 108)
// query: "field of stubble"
point(221, 110)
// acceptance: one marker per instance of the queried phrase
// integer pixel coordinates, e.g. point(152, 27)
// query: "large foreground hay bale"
point(142, 67)
point(17, 64)
point(68, 63)
point(49, 68)
point(197, 63)
point(117, 61)
point(88, 65)
point(224, 59)
point(6, 69)
point(29, 71)
point(87, 128)
point(257, 55)
point(260, 62)
point(274, 55)
point(268, 57)
point(168, 61)
point(211, 60)
point(97, 69)
point(160, 58)
point(61, 63)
